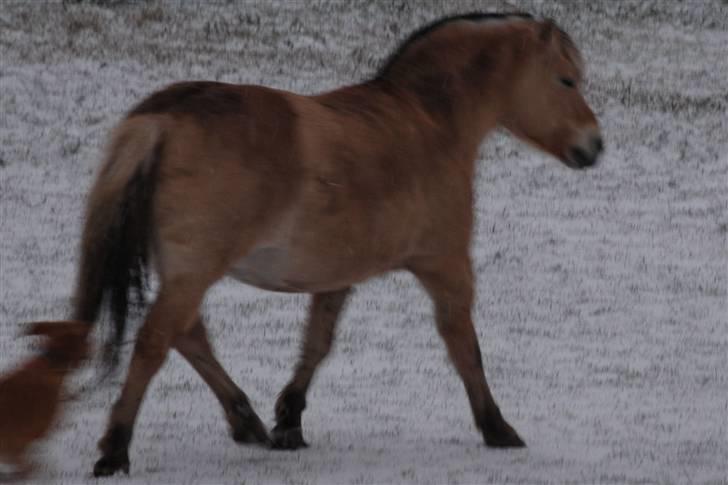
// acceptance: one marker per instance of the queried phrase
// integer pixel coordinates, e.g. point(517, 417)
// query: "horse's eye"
point(569, 83)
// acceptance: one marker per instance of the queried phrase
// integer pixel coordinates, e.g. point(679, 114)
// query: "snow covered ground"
point(602, 303)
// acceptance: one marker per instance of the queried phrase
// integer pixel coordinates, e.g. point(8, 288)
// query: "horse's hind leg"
point(319, 335)
point(450, 285)
point(173, 312)
point(195, 347)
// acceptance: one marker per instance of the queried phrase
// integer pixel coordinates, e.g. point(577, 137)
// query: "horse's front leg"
point(318, 337)
point(449, 282)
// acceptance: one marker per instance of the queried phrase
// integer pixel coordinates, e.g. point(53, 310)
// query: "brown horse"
point(315, 194)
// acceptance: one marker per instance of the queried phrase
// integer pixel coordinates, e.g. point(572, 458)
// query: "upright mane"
point(435, 25)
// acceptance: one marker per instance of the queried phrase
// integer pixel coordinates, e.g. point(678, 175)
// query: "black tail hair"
point(115, 246)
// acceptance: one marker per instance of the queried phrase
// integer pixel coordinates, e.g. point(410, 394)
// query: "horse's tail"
point(118, 228)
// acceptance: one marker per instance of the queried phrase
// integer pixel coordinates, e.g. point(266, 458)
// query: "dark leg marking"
point(195, 347)
point(247, 426)
point(115, 450)
point(450, 285)
point(173, 311)
point(287, 433)
point(317, 341)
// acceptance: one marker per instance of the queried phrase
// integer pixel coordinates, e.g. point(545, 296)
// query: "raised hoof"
point(503, 437)
point(288, 439)
point(108, 465)
point(248, 428)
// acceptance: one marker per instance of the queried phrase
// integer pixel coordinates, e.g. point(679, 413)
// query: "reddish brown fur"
point(317, 193)
point(30, 396)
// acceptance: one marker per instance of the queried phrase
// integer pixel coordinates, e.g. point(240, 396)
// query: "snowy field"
point(602, 304)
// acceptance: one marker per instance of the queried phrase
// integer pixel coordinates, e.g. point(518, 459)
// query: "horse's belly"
point(262, 267)
point(326, 243)
point(282, 269)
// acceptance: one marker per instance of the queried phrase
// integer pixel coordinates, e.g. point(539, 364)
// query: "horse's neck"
point(463, 82)
point(401, 118)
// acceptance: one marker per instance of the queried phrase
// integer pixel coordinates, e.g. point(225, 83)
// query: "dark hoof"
point(504, 436)
point(248, 428)
point(288, 439)
point(108, 465)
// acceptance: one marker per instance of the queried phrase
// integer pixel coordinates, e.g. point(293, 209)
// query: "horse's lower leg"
point(451, 291)
point(195, 347)
point(319, 335)
point(464, 351)
point(172, 313)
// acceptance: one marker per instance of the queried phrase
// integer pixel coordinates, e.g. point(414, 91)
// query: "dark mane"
point(429, 28)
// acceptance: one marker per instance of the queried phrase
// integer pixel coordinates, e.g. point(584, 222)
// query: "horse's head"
point(547, 108)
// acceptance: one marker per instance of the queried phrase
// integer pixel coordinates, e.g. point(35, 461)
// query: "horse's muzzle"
point(586, 154)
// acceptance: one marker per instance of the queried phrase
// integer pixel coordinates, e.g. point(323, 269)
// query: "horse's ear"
point(547, 30)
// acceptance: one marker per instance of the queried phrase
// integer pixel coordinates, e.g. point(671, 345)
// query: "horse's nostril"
point(598, 144)
point(581, 157)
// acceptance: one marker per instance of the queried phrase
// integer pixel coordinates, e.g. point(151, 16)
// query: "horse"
point(314, 194)
point(30, 396)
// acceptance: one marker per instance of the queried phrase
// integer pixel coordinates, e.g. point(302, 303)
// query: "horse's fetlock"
point(246, 425)
point(295, 401)
point(116, 439)
point(288, 410)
